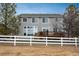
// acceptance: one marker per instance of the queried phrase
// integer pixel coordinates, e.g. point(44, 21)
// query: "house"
point(34, 23)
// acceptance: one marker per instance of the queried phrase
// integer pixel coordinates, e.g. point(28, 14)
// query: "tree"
point(14, 24)
point(58, 25)
point(69, 20)
point(8, 17)
point(76, 29)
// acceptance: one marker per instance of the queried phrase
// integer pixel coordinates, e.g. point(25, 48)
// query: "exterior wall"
point(38, 22)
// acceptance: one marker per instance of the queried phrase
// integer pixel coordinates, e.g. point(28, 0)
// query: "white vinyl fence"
point(39, 40)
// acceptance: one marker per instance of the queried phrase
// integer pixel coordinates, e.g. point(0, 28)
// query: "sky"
point(42, 8)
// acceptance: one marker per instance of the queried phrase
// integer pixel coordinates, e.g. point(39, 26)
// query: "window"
point(33, 20)
point(45, 30)
point(24, 34)
point(24, 19)
point(30, 34)
point(56, 19)
point(25, 27)
point(54, 29)
point(45, 20)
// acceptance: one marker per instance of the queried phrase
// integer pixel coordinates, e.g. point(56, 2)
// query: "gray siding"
point(38, 21)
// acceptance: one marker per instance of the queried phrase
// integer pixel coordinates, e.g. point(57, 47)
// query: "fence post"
point(46, 41)
point(61, 41)
point(14, 40)
point(76, 42)
point(30, 41)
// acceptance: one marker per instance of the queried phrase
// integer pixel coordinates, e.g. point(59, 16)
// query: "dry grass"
point(38, 50)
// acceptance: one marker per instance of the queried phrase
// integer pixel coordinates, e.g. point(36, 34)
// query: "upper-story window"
point(33, 20)
point(24, 19)
point(56, 19)
point(45, 20)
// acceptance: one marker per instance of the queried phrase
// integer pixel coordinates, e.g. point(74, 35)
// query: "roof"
point(41, 15)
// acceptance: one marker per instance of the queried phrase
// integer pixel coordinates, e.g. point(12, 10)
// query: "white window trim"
point(35, 30)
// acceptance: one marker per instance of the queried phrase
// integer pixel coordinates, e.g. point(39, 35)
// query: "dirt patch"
point(39, 50)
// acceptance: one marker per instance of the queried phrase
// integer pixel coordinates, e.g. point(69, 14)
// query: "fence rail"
point(39, 40)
